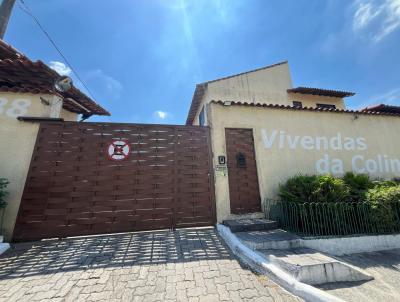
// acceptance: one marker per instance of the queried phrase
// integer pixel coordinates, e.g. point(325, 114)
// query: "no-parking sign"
point(118, 150)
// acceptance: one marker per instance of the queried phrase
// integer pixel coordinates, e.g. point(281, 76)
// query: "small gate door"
point(242, 171)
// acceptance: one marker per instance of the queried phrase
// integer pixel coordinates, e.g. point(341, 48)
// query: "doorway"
point(242, 171)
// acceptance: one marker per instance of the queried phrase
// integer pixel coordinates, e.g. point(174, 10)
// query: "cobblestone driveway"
point(185, 265)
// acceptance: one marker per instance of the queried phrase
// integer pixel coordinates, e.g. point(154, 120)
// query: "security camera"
point(63, 84)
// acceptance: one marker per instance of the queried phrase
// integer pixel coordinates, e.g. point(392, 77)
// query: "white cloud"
point(161, 114)
point(392, 21)
point(391, 97)
point(376, 19)
point(364, 14)
point(106, 84)
point(60, 67)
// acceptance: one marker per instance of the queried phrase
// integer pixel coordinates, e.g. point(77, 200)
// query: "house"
point(261, 131)
point(28, 96)
point(267, 85)
point(264, 131)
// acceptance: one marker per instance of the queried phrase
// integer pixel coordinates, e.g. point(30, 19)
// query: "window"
point(297, 104)
point(202, 118)
point(326, 106)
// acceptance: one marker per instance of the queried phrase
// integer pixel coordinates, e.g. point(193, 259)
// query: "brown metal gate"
point(74, 187)
point(244, 194)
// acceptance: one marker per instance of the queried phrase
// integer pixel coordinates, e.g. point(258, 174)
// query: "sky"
point(141, 59)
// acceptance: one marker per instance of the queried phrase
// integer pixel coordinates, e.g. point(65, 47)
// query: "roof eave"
point(247, 72)
point(320, 92)
point(11, 61)
point(196, 100)
point(289, 107)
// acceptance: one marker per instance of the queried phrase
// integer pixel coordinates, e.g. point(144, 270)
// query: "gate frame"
point(210, 169)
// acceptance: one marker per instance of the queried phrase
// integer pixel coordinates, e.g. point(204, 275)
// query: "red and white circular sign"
point(118, 150)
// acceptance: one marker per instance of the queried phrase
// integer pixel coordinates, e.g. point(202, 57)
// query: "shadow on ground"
point(388, 260)
point(145, 248)
point(384, 266)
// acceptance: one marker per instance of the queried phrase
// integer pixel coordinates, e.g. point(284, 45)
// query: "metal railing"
point(334, 219)
point(2, 211)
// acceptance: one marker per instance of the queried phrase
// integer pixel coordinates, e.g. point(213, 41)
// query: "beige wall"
point(68, 116)
point(313, 100)
point(17, 141)
point(265, 86)
point(366, 137)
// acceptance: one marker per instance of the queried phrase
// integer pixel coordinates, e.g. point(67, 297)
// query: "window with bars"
point(326, 106)
point(297, 104)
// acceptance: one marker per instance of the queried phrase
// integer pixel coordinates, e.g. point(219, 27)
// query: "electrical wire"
point(26, 9)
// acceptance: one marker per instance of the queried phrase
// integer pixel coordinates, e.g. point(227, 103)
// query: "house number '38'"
point(17, 107)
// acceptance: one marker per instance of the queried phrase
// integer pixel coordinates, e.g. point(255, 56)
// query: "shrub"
point(383, 193)
point(383, 198)
point(298, 188)
point(384, 183)
point(358, 185)
point(3, 193)
point(314, 188)
point(325, 205)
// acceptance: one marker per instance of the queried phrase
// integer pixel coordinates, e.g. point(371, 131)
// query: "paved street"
point(186, 265)
point(384, 266)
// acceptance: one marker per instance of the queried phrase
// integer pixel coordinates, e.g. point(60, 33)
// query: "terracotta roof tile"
point(9, 52)
point(289, 107)
point(18, 74)
point(383, 108)
point(322, 92)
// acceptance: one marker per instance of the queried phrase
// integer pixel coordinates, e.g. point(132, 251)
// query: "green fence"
point(335, 219)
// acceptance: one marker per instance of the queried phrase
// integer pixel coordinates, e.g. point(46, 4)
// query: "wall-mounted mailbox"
point(240, 160)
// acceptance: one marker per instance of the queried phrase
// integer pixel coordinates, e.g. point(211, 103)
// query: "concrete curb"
point(353, 244)
point(262, 265)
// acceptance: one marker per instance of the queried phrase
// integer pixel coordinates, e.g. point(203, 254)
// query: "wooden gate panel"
point(73, 188)
point(244, 191)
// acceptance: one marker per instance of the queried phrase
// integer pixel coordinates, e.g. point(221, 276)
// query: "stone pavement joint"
point(182, 265)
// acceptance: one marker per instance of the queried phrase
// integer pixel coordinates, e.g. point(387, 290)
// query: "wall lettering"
point(15, 108)
point(337, 142)
point(381, 163)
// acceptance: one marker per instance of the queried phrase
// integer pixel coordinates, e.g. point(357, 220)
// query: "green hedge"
point(326, 188)
point(358, 185)
point(327, 205)
point(313, 188)
point(382, 198)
